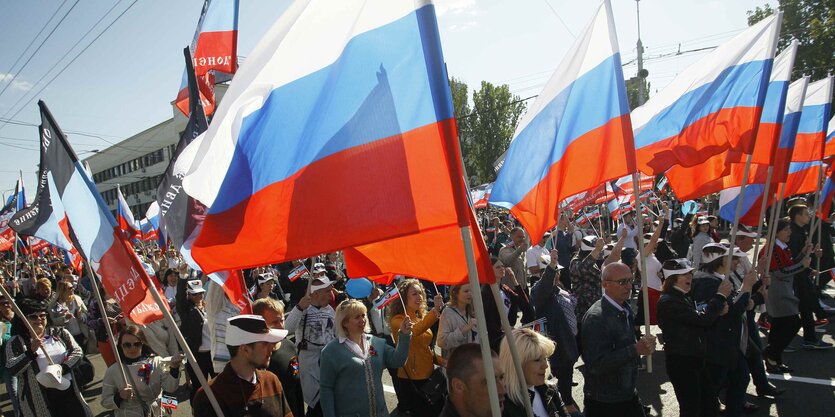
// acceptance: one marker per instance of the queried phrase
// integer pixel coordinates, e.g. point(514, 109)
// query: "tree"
point(461, 107)
point(812, 23)
point(632, 91)
point(490, 127)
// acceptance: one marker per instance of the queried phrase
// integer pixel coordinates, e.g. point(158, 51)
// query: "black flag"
point(181, 215)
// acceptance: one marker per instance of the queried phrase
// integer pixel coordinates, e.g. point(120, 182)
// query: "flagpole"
point(31, 258)
point(106, 322)
point(14, 264)
point(762, 214)
point(511, 343)
point(737, 213)
point(25, 320)
point(182, 341)
point(639, 215)
point(773, 229)
point(591, 223)
point(599, 223)
point(484, 340)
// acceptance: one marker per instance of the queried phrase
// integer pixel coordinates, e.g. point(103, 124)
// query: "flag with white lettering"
point(94, 229)
point(297, 273)
point(179, 214)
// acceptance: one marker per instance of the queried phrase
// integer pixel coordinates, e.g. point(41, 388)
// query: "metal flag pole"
point(738, 212)
point(762, 214)
point(106, 323)
point(639, 216)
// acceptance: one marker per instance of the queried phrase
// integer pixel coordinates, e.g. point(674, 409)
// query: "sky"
point(125, 80)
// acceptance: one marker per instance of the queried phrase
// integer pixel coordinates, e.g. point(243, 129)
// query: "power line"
point(38, 49)
point(22, 53)
point(560, 19)
point(71, 62)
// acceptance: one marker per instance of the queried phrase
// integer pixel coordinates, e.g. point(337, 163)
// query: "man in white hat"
point(312, 320)
point(245, 387)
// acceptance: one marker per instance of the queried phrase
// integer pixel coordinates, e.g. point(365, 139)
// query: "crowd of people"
point(311, 349)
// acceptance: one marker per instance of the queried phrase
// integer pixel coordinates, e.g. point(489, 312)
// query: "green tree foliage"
point(632, 91)
point(812, 23)
point(461, 106)
point(488, 129)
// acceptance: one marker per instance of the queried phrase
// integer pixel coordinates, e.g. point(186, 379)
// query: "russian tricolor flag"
point(576, 135)
point(338, 132)
point(712, 106)
point(811, 132)
point(791, 122)
point(718, 172)
point(124, 216)
point(829, 147)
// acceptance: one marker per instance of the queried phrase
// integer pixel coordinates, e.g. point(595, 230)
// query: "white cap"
point(250, 328)
point(702, 220)
point(265, 277)
point(319, 283)
point(318, 268)
point(746, 232)
point(195, 286)
point(683, 266)
point(51, 377)
point(588, 243)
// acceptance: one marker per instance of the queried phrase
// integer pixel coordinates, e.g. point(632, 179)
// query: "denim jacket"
point(609, 352)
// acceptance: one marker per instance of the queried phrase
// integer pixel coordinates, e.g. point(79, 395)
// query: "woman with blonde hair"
point(534, 351)
point(422, 359)
point(458, 323)
point(352, 364)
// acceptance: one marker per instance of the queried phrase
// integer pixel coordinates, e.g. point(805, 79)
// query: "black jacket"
point(608, 340)
point(684, 327)
point(544, 299)
point(550, 398)
point(191, 317)
point(517, 298)
point(723, 338)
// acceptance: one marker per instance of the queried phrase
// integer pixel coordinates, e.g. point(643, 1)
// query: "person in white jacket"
point(147, 375)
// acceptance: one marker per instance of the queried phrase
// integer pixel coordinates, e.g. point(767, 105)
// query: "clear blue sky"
point(125, 81)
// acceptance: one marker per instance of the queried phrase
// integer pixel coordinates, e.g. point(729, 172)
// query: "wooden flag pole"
point(14, 265)
point(511, 343)
point(25, 320)
point(762, 214)
point(182, 341)
point(106, 323)
point(484, 340)
point(639, 216)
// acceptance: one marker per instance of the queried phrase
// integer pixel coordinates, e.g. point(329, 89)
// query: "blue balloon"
point(359, 287)
point(689, 207)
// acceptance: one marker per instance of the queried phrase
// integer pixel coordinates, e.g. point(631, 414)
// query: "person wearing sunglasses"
point(610, 350)
point(148, 375)
point(40, 394)
point(685, 331)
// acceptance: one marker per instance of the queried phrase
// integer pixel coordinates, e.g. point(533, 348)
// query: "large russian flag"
point(576, 135)
point(338, 132)
point(811, 133)
point(214, 48)
point(100, 240)
point(712, 106)
point(717, 173)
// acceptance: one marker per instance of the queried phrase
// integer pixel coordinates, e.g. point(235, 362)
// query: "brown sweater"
point(235, 395)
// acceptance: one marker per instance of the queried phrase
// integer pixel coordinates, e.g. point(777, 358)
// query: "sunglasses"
point(37, 316)
point(129, 345)
point(622, 282)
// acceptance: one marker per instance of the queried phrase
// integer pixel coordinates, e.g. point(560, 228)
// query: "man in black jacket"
point(610, 350)
point(189, 306)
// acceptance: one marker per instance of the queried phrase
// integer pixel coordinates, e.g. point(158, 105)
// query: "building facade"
point(138, 163)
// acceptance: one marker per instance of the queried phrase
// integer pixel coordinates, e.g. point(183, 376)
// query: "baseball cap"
point(702, 220)
point(319, 283)
point(588, 243)
point(676, 267)
point(265, 277)
point(318, 268)
point(195, 286)
point(745, 231)
point(249, 328)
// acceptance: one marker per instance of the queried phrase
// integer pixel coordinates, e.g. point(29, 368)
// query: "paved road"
point(811, 389)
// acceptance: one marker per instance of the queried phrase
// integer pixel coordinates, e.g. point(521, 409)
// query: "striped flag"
point(390, 295)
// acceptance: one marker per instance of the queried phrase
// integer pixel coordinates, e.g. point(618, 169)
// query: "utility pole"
point(642, 73)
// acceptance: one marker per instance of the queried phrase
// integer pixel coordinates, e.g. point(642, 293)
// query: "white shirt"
point(57, 351)
point(631, 233)
point(614, 303)
point(653, 270)
point(537, 405)
point(533, 254)
point(360, 351)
